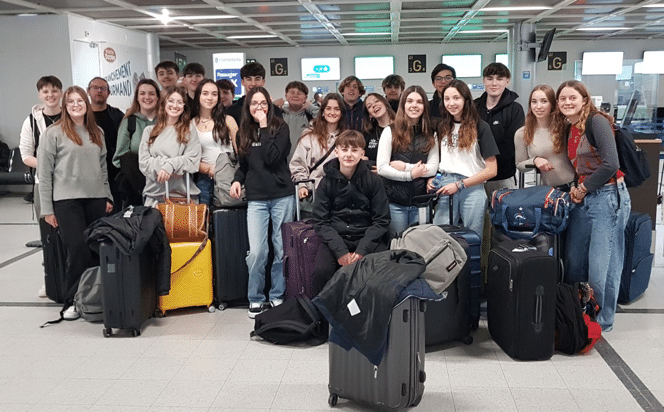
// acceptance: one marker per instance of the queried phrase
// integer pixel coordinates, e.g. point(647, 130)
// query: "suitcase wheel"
point(135, 332)
point(467, 340)
point(108, 332)
point(158, 313)
point(211, 308)
point(332, 400)
point(223, 306)
point(417, 401)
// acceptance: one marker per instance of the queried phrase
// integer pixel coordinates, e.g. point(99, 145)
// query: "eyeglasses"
point(100, 88)
point(175, 102)
point(264, 105)
point(79, 102)
point(440, 79)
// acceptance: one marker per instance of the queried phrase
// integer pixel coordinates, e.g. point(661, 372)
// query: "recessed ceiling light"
point(258, 36)
point(26, 15)
point(601, 28)
point(367, 34)
point(655, 5)
point(484, 31)
point(526, 8)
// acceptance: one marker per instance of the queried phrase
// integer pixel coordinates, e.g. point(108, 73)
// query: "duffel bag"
point(523, 213)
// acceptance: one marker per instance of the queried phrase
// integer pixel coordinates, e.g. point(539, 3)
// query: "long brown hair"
point(220, 131)
point(182, 126)
point(369, 124)
point(135, 106)
point(561, 122)
point(248, 131)
point(469, 118)
point(402, 131)
point(69, 127)
point(319, 125)
point(531, 121)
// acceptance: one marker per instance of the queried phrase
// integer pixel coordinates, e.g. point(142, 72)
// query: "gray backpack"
point(224, 173)
point(88, 297)
point(443, 255)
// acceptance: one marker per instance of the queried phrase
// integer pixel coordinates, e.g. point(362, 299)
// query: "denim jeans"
point(259, 213)
point(401, 217)
point(468, 205)
point(206, 185)
point(595, 246)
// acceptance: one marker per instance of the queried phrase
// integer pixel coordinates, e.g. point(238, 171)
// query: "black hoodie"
point(351, 215)
point(504, 119)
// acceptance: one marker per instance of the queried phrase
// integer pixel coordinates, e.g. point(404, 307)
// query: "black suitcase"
point(398, 381)
point(55, 261)
point(129, 295)
point(521, 299)
point(230, 249)
point(638, 258)
point(550, 243)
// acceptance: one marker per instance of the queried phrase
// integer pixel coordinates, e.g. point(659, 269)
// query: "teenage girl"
point(467, 159)
point(378, 114)
point(263, 146)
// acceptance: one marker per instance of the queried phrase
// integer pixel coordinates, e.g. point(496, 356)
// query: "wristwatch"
point(460, 185)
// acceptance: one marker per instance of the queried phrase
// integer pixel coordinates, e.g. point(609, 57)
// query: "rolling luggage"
point(521, 300)
point(191, 284)
point(551, 244)
point(300, 243)
point(638, 258)
point(55, 261)
point(398, 381)
point(231, 246)
point(129, 288)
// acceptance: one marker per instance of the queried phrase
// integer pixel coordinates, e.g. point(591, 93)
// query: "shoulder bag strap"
point(322, 159)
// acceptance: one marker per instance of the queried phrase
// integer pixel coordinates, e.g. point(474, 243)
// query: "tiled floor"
point(193, 360)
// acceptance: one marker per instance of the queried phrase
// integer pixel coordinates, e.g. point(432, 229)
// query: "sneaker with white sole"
point(71, 313)
point(42, 292)
point(276, 302)
point(255, 309)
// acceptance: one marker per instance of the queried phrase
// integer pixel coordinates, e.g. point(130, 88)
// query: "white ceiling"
point(205, 24)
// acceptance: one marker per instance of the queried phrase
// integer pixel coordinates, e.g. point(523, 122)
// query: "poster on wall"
point(227, 66)
point(122, 67)
point(180, 60)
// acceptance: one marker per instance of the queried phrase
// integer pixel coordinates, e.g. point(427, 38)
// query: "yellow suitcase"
point(191, 286)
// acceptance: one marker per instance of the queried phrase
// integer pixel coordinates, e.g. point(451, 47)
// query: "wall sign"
point(227, 66)
point(557, 60)
point(417, 63)
point(279, 67)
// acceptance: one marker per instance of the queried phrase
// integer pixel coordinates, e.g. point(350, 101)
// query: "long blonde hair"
point(69, 127)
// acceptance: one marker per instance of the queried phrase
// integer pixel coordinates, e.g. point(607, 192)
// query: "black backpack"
point(633, 160)
point(571, 330)
point(295, 320)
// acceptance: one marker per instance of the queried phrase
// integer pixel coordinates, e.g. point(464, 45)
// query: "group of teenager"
point(360, 167)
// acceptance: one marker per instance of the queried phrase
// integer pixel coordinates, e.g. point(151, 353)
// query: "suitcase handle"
point(539, 307)
point(297, 196)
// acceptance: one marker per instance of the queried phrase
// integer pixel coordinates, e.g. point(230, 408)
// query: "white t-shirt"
point(210, 149)
point(467, 162)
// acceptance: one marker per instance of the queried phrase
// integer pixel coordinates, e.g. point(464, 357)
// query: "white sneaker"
point(276, 302)
point(42, 292)
point(255, 309)
point(71, 313)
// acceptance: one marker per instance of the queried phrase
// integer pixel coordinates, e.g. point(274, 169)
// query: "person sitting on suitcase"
point(351, 212)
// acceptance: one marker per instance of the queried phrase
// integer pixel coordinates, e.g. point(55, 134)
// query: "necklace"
point(205, 122)
point(52, 118)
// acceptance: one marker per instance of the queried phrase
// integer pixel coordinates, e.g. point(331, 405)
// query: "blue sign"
point(230, 74)
point(323, 89)
point(526, 75)
point(322, 68)
point(369, 89)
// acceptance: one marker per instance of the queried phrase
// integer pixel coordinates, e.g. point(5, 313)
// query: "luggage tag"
point(353, 308)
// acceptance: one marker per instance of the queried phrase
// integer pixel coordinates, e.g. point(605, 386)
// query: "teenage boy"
point(352, 90)
point(298, 111)
point(227, 92)
point(167, 73)
point(351, 213)
point(108, 118)
point(498, 107)
point(194, 73)
point(49, 91)
point(441, 76)
point(251, 75)
point(393, 86)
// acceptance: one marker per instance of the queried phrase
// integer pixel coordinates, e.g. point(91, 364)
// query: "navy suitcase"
point(521, 299)
point(398, 382)
point(638, 257)
point(128, 282)
point(55, 261)
point(230, 249)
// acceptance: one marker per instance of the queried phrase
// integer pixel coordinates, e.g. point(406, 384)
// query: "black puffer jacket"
point(354, 115)
point(402, 193)
point(504, 119)
point(351, 215)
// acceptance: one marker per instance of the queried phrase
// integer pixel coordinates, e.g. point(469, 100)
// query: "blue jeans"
point(595, 246)
point(259, 213)
point(401, 217)
point(206, 185)
point(468, 205)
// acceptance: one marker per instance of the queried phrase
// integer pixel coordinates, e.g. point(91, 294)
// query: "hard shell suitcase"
point(129, 288)
point(192, 284)
point(231, 246)
point(55, 261)
point(638, 257)
point(521, 300)
point(398, 381)
point(301, 244)
point(552, 244)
